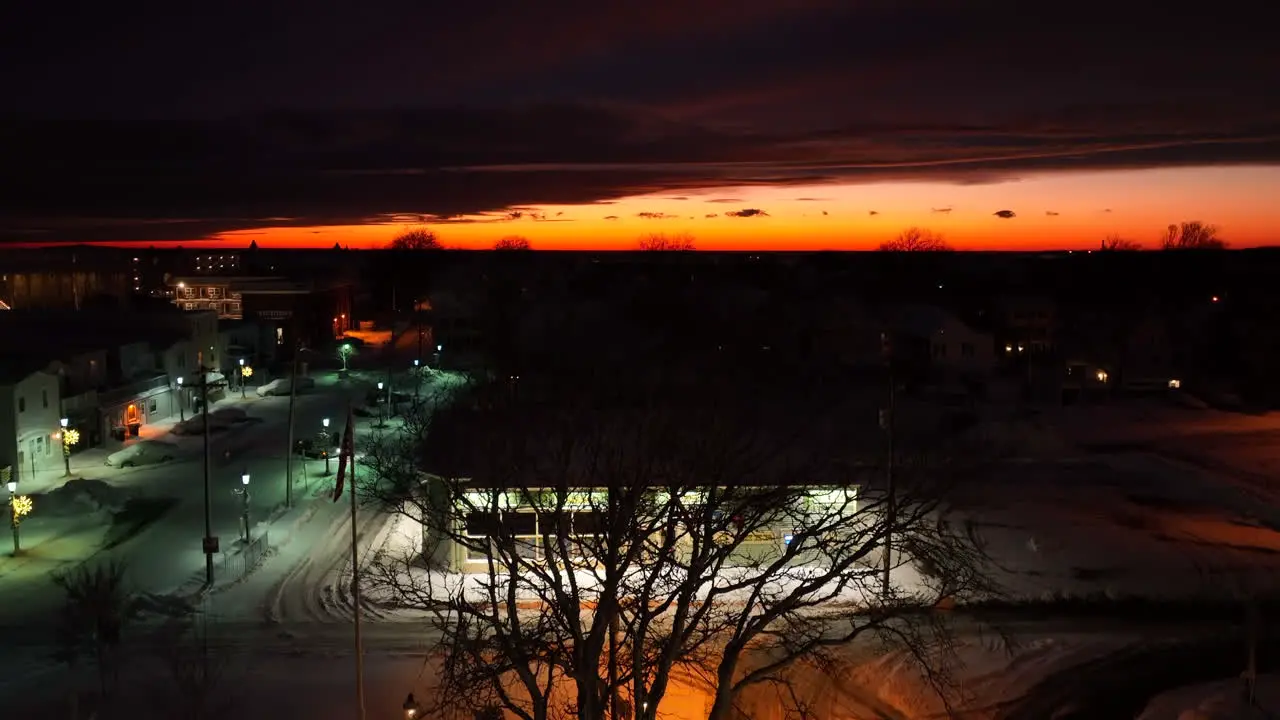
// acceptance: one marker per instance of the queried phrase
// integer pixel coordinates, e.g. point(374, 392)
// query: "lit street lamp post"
point(69, 437)
point(344, 352)
point(381, 411)
point(182, 402)
point(243, 375)
point(411, 708)
point(327, 443)
point(19, 507)
point(244, 503)
point(417, 380)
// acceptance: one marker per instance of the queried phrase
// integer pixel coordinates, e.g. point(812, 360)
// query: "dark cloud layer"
point(143, 124)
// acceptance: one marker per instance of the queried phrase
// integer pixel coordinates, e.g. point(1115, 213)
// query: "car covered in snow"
point(143, 452)
point(281, 386)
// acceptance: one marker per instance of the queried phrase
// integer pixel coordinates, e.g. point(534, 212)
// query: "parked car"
point(280, 386)
point(145, 452)
point(312, 448)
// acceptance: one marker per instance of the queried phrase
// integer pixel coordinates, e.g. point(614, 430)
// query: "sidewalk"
point(91, 463)
point(48, 544)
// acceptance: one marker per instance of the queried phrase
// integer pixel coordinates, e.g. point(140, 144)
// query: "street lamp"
point(245, 502)
point(69, 438)
point(246, 372)
point(411, 708)
point(327, 443)
point(344, 352)
point(182, 402)
point(381, 412)
point(417, 380)
point(19, 507)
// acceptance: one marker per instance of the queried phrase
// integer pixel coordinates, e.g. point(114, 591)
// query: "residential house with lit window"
point(934, 344)
point(29, 417)
point(116, 371)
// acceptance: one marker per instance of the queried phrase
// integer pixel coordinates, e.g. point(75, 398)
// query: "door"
point(131, 415)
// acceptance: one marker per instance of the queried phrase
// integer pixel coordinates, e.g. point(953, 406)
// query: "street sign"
point(210, 545)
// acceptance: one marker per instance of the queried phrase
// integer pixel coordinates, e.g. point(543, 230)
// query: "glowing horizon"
point(1058, 211)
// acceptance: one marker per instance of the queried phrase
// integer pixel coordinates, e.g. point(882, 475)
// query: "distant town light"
point(1102, 376)
point(1174, 384)
point(1214, 298)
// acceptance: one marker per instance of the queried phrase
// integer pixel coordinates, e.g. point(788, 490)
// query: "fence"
point(242, 562)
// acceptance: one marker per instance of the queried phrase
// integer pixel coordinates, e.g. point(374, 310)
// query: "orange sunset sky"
point(1064, 210)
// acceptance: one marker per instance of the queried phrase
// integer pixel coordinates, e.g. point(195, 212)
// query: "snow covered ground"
point(1222, 700)
point(1148, 516)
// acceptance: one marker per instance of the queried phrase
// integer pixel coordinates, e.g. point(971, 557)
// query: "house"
point(115, 371)
point(926, 337)
point(30, 417)
point(1027, 325)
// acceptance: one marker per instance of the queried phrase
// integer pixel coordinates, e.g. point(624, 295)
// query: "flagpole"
point(355, 587)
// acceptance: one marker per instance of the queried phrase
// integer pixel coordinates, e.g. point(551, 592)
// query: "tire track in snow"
point(318, 588)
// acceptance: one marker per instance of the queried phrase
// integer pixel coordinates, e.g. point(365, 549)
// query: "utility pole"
point(210, 542)
point(288, 456)
point(355, 591)
point(887, 421)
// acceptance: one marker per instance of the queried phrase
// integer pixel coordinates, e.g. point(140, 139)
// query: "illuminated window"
point(279, 336)
point(22, 404)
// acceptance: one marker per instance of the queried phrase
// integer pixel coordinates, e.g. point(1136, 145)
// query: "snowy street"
point(151, 518)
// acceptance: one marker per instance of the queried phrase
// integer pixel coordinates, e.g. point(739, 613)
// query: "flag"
point(345, 452)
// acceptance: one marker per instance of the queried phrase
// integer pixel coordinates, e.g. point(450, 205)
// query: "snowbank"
point(1222, 700)
point(79, 497)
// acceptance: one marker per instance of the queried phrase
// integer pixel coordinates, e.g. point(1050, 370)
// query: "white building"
point(30, 410)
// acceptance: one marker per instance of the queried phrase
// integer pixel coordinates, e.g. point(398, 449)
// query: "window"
point(44, 395)
point(151, 405)
point(188, 306)
point(279, 336)
point(22, 404)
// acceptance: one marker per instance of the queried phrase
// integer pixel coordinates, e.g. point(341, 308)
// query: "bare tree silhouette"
point(418, 238)
point(661, 242)
point(513, 242)
point(1119, 244)
point(611, 553)
point(96, 607)
point(1192, 235)
point(916, 239)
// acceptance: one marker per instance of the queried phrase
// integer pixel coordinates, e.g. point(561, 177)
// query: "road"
point(164, 552)
point(299, 597)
